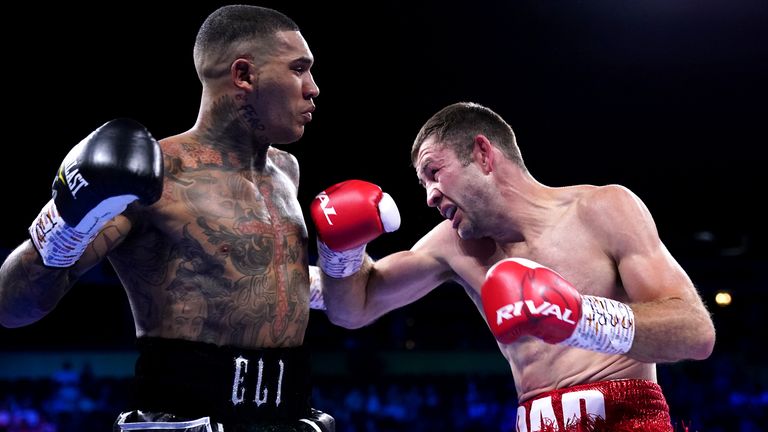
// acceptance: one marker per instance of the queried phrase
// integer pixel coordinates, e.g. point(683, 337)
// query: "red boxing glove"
point(523, 298)
point(347, 216)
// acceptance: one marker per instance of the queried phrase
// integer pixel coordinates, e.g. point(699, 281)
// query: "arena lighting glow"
point(723, 298)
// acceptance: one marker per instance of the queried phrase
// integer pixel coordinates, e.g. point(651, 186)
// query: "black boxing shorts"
point(616, 406)
point(204, 387)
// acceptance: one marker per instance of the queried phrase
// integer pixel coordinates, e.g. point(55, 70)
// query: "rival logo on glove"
point(509, 311)
point(324, 200)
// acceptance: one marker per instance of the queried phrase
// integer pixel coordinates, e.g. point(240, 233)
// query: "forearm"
point(28, 289)
point(346, 298)
point(671, 330)
point(379, 287)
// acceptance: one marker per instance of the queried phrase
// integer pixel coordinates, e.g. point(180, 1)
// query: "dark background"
point(666, 98)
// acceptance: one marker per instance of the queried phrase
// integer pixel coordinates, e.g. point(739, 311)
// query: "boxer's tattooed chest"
point(241, 262)
point(262, 303)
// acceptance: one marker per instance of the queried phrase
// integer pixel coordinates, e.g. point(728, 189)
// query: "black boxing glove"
point(118, 163)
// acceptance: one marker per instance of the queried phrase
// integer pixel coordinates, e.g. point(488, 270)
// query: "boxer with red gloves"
point(611, 288)
point(523, 298)
point(348, 215)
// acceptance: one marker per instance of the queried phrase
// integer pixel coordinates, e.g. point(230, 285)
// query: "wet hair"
point(231, 25)
point(457, 125)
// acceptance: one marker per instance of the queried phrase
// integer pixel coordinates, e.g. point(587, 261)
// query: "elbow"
point(15, 316)
point(6, 323)
point(349, 315)
point(349, 324)
point(10, 321)
point(345, 320)
point(10, 324)
point(700, 342)
point(705, 343)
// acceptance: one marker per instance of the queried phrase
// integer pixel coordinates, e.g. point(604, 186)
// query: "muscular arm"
point(671, 320)
point(672, 324)
point(30, 290)
point(387, 284)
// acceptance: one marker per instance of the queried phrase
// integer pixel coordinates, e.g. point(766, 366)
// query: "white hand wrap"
point(61, 245)
point(606, 326)
point(316, 300)
point(339, 264)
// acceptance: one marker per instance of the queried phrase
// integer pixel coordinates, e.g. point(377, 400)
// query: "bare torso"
point(222, 257)
point(568, 247)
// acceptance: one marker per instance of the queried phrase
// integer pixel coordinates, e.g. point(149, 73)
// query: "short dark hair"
point(457, 125)
point(231, 24)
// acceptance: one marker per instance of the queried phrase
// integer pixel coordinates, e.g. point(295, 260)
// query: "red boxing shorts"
point(616, 406)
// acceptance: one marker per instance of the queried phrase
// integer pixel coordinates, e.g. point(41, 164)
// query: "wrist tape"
point(59, 244)
point(316, 300)
point(339, 264)
point(606, 326)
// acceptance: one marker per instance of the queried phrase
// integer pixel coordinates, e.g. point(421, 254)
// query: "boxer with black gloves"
point(209, 241)
point(115, 165)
